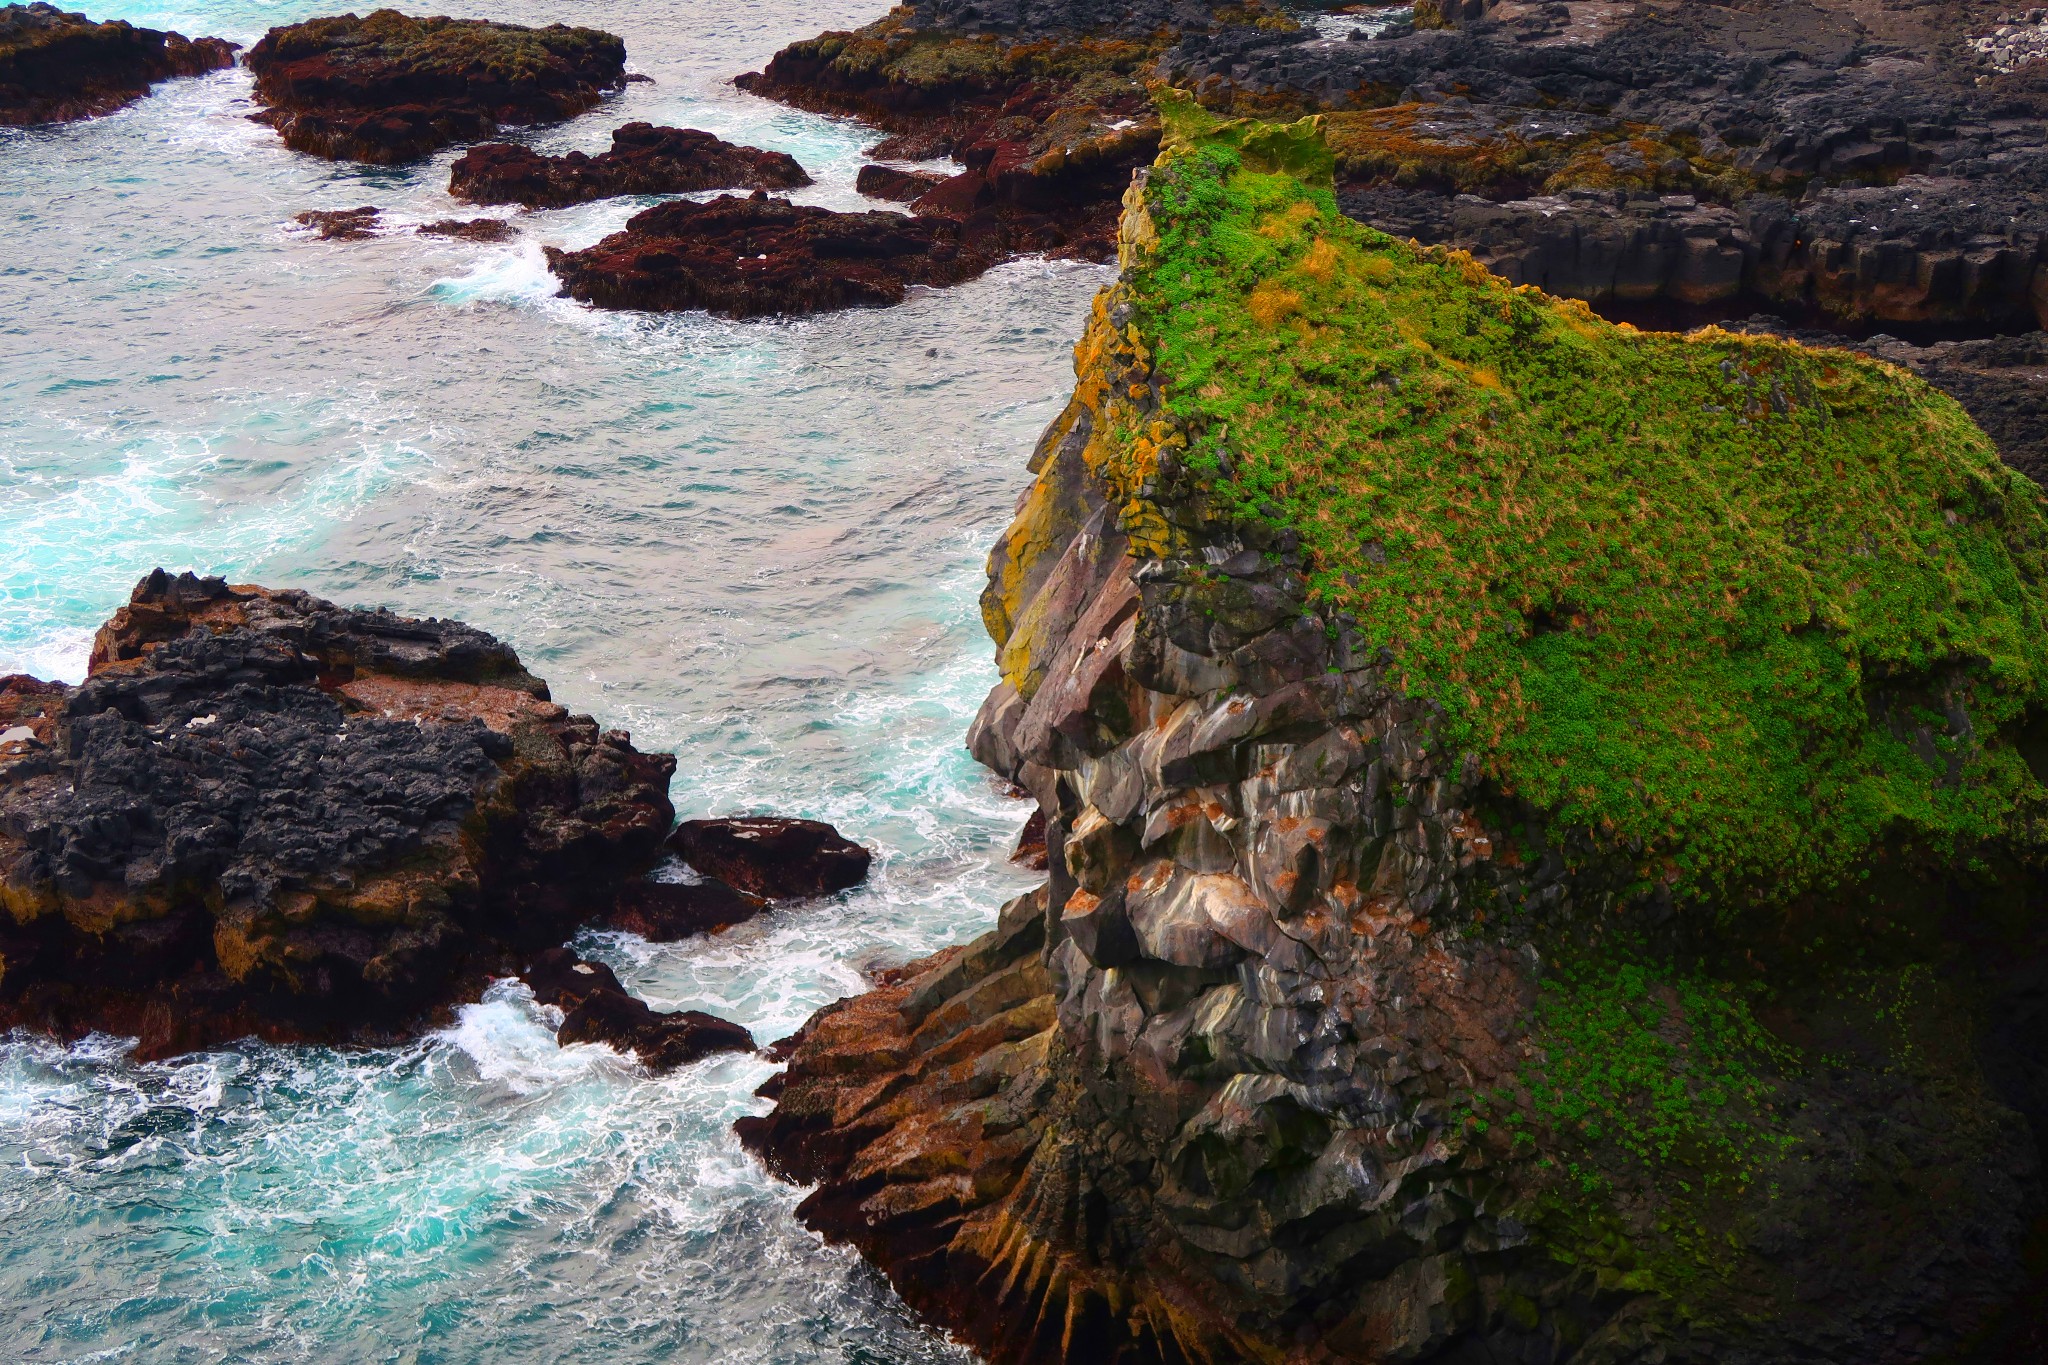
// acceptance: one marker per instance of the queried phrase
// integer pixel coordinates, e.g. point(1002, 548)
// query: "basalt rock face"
point(644, 159)
point(389, 88)
point(56, 66)
point(1297, 1054)
point(262, 813)
point(758, 256)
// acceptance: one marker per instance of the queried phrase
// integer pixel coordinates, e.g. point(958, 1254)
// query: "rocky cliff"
point(1544, 839)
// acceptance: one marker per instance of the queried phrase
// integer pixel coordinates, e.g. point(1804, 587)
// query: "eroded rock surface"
point(758, 256)
point(644, 159)
point(56, 66)
point(262, 813)
point(389, 88)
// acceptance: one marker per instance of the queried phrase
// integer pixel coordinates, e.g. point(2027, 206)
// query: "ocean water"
point(755, 544)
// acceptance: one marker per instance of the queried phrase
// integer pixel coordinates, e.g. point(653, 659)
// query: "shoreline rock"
point(265, 814)
point(57, 66)
point(758, 256)
point(643, 159)
point(389, 88)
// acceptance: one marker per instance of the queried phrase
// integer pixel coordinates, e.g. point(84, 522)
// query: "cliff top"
point(1746, 607)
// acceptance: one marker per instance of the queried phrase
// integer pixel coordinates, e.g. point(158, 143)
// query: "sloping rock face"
point(391, 88)
point(758, 256)
point(644, 159)
point(1333, 1036)
point(56, 66)
point(262, 813)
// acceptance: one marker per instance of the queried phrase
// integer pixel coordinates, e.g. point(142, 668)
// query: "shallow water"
point(755, 544)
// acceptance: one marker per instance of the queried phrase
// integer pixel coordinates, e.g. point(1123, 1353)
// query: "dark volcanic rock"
point(886, 182)
point(758, 256)
point(644, 159)
point(56, 66)
point(597, 1009)
point(771, 856)
point(265, 813)
point(341, 225)
point(662, 912)
point(470, 229)
point(391, 88)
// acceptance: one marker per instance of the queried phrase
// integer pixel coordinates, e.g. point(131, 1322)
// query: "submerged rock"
point(772, 856)
point(597, 1009)
point(56, 66)
point(389, 87)
point(644, 159)
point(758, 256)
point(1511, 897)
point(263, 813)
point(662, 912)
point(342, 225)
point(469, 229)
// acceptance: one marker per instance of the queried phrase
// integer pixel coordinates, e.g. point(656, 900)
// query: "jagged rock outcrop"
point(56, 66)
point(388, 87)
point(758, 256)
point(597, 1009)
point(262, 813)
point(1367, 1014)
point(886, 182)
point(643, 159)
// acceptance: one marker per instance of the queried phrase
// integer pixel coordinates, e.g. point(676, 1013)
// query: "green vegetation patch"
point(1741, 608)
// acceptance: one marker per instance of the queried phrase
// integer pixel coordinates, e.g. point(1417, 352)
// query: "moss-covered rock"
point(1350, 1024)
point(1744, 610)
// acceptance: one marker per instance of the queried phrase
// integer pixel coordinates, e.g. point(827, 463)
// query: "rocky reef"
point(1544, 831)
point(644, 159)
point(56, 66)
point(265, 814)
point(758, 256)
point(391, 88)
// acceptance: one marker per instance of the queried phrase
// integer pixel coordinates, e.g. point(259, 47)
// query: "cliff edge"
point(1544, 839)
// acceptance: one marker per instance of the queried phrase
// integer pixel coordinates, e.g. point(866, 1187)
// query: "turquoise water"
point(755, 544)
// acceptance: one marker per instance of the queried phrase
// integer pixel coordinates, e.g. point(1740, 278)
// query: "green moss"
point(1742, 609)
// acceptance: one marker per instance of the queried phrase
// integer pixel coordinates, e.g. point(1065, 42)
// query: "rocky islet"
point(643, 159)
point(389, 87)
point(265, 814)
point(56, 66)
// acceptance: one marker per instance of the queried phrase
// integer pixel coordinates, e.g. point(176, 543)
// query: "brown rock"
point(644, 159)
point(391, 88)
point(341, 225)
point(57, 66)
point(661, 912)
point(886, 182)
point(469, 229)
point(758, 256)
point(770, 856)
